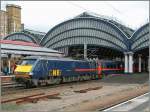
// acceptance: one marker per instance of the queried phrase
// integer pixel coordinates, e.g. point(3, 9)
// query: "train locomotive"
point(35, 71)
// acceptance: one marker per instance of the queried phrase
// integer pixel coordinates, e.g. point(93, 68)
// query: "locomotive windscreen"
point(27, 62)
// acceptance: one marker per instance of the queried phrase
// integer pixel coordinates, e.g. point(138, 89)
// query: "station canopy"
point(26, 48)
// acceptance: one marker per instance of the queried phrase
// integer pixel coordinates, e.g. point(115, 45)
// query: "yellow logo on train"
point(55, 72)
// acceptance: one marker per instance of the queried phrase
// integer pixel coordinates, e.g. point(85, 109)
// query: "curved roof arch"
point(86, 33)
point(37, 34)
point(21, 36)
point(138, 32)
point(140, 38)
point(115, 27)
point(142, 46)
point(126, 30)
point(81, 40)
point(83, 23)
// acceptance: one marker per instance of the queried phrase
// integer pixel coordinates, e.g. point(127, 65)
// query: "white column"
point(131, 62)
point(126, 63)
point(140, 62)
point(85, 51)
point(66, 51)
point(67, 48)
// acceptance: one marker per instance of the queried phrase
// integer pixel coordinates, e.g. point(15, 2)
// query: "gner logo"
point(55, 72)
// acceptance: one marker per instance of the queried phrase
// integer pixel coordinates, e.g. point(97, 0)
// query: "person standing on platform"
point(5, 69)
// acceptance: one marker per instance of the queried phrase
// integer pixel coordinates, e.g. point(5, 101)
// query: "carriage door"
point(99, 69)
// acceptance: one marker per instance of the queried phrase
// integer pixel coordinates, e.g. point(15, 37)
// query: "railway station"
point(91, 36)
point(88, 63)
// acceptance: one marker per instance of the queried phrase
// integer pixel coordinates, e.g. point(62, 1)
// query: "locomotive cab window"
point(27, 62)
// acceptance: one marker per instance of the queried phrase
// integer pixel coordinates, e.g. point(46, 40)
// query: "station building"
point(92, 36)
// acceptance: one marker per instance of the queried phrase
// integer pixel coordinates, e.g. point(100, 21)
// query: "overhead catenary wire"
point(78, 6)
point(90, 11)
point(115, 9)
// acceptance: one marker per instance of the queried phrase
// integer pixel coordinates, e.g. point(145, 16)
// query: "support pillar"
point(126, 63)
point(9, 64)
point(140, 62)
point(148, 64)
point(144, 65)
point(85, 51)
point(66, 51)
point(130, 62)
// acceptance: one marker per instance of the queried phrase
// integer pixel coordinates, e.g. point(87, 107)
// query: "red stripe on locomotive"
point(84, 70)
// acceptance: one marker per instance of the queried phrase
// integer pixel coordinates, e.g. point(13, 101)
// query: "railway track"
point(78, 95)
point(11, 85)
point(34, 98)
point(16, 88)
point(12, 88)
point(37, 95)
point(40, 95)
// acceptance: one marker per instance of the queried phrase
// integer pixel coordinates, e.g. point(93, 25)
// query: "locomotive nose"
point(23, 70)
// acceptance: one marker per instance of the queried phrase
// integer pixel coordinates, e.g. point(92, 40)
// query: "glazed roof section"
point(19, 43)
point(21, 36)
point(128, 31)
point(26, 35)
point(87, 28)
point(37, 34)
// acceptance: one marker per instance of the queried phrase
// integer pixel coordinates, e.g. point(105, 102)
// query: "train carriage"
point(43, 70)
point(112, 67)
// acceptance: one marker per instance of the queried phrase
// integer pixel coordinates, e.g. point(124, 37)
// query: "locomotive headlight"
point(31, 73)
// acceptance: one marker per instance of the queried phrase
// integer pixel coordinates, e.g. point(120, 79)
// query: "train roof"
point(51, 58)
point(64, 59)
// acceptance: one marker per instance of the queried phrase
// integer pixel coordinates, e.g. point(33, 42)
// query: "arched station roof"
point(128, 31)
point(26, 35)
point(21, 36)
point(88, 29)
point(140, 38)
point(37, 34)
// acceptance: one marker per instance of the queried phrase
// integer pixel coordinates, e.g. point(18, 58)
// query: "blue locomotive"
point(50, 70)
